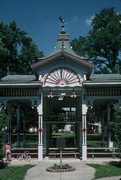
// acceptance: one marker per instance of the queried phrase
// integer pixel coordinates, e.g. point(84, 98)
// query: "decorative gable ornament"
point(62, 77)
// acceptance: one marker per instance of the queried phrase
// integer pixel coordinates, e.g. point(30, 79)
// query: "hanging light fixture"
point(50, 95)
point(61, 97)
point(73, 95)
point(89, 104)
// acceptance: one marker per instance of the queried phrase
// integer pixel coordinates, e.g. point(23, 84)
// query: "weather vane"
point(62, 25)
point(61, 20)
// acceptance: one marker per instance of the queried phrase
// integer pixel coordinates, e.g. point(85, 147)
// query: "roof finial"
point(62, 25)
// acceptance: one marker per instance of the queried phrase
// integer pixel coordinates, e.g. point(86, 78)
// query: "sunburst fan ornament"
point(62, 77)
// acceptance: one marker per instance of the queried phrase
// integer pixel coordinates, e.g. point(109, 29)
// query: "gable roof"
point(64, 54)
point(62, 49)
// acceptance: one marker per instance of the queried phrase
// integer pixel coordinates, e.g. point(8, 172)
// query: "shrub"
point(64, 166)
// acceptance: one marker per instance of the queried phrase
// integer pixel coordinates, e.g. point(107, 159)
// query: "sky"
point(39, 18)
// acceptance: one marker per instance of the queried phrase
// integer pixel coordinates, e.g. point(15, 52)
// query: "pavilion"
point(61, 90)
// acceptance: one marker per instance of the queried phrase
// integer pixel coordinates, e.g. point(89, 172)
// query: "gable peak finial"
point(62, 25)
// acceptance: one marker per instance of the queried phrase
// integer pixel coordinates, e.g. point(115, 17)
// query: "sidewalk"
point(82, 172)
point(111, 178)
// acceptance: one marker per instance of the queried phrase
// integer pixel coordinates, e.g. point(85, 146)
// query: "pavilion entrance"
point(64, 127)
point(62, 121)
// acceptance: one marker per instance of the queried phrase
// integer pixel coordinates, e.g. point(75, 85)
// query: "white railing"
point(103, 92)
point(18, 92)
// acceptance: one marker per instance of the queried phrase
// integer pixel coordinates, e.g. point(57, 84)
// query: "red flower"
point(40, 129)
point(84, 129)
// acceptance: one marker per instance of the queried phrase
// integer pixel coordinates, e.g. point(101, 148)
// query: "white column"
point(108, 120)
point(80, 126)
point(84, 131)
point(18, 125)
point(40, 129)
point(103, 129)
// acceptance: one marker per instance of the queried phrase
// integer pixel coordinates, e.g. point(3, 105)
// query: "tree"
point(17, 50)
point(106, 36)
point(79, 45)
point(103, 44)
point(2, 132)
point(116, 124)
point(29, 54)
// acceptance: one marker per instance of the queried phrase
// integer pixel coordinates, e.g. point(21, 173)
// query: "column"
point(79, 126)
point(9, 127)
point(8, 122)
point(84, 130)
point(108, 126)
point(40, 129)
point(18, 125)
point(103, 130)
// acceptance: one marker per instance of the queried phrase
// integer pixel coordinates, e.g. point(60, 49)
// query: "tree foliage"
point(17, 50)
point(116, 124)
point(2, 132)
point(103, 44)
point(79, 46)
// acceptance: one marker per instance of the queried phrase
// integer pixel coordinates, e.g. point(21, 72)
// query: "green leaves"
point(79, 45)
point(105, 35)
point(17, 50)
point(116, 124)
point(2, 132)
point(103, 41)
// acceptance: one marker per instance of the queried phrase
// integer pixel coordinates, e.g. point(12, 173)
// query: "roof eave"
point(80, 60)
point(41, 62)
point(99, 84)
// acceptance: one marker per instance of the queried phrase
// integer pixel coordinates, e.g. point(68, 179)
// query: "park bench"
point(102, 152)
point(66, 152)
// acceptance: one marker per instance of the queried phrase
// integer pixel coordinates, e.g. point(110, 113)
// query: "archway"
point(61, 120)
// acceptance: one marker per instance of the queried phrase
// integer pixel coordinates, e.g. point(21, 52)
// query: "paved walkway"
point(39, 172)
point(111, 178)
point(82, 172)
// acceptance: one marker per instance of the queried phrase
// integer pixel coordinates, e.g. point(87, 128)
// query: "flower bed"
point(59, 168)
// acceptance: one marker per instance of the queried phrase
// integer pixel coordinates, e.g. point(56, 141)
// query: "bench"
point(15, 154)
point(66, 152)
point(102, 152)
point(33, 152)
point(24, 149)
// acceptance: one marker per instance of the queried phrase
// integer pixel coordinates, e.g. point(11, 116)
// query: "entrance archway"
point(61, 119)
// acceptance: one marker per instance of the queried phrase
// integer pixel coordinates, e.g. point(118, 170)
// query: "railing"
point(61, 119)
point(55, 152)
point(103, 92)
point(18, 92)
point(102, 152)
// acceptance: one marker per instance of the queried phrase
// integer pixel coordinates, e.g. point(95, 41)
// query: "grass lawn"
point(106, 170)
point(14, 172)
point(94, 143)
